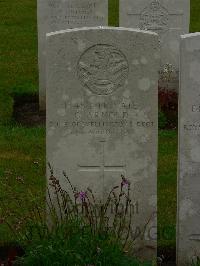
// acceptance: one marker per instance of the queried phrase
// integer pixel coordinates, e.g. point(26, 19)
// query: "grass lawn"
point(22, 168)
point(18, 46)
point(167, 181)
point(23, 156)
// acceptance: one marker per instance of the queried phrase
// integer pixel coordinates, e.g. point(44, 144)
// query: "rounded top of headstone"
point(102, 28)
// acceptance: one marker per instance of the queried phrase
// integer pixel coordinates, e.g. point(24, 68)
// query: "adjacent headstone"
point(188, 226)
point(169, 19)
point(102, 116)
point(55, 15)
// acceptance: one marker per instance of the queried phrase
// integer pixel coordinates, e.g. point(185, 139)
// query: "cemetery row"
point(101, 90)
point(168, 18)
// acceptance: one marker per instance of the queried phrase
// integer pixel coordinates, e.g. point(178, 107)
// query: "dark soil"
point(26, 111)
point(167, 256)
point(9, 252)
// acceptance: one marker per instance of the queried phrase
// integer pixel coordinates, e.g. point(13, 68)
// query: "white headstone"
point(55, 15)
point(102, 115)
point(188, 229)
point(170, 19)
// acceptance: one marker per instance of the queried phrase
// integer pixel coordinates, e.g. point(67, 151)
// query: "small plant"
point(73, 205)
point(71, 244)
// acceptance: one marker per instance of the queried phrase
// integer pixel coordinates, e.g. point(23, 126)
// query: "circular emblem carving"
point(103, 69)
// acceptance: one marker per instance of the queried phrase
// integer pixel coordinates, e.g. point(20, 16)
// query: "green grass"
point(194, 16)
point(167, 181)
point(113, 19)
point(18, 46)
point(18, 52)
point(22, 157)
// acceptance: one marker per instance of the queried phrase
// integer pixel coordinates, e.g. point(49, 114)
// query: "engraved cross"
point(194, 237)
point(103, 167)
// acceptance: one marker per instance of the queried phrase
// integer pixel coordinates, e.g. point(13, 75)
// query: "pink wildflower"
point(82, 195)
point(125, 182)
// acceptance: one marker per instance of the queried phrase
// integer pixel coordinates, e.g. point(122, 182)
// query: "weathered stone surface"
point(102, 115)
point(54, 15)
point(188, 233)
point(169, 19)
